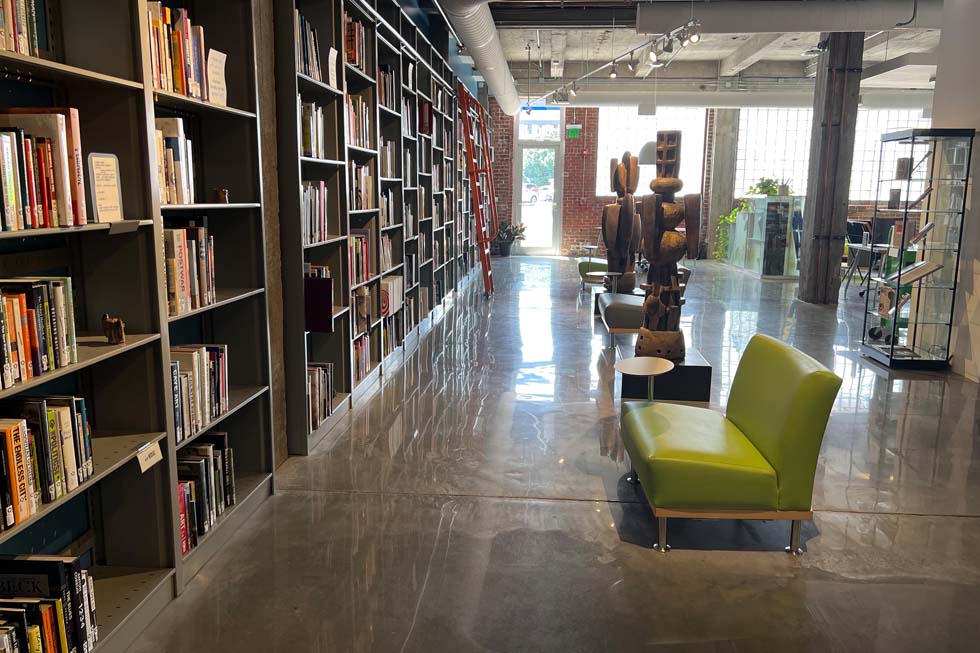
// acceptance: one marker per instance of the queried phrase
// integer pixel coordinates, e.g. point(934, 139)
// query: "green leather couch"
point(595, 265)
point(757, 461)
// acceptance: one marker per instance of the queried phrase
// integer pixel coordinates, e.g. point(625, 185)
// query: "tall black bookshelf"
point(404, 86)
point(122, 522)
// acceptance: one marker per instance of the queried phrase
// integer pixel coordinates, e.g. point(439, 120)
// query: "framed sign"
point(105, 187)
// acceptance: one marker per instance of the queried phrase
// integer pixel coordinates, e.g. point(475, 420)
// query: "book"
point(54, 128)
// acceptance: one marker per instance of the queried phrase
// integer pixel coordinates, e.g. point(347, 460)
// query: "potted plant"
point(507, 234)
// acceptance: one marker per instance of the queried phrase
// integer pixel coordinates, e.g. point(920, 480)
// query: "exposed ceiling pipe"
point(473, 23)
point(803, 99)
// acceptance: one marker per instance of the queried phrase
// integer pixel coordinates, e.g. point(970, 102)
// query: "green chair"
point(757, 461)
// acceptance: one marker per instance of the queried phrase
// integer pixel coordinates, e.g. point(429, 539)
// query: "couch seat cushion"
point(689, 457)
point(620, 311)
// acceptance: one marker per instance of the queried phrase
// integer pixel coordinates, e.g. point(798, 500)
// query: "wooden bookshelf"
point(402, 204)
point(123, 522)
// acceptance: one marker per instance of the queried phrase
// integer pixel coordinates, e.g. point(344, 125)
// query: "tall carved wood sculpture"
point(621, 222)
point(664, 246)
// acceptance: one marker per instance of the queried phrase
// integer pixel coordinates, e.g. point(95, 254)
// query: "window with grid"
point(775, 143)
point(622, 129)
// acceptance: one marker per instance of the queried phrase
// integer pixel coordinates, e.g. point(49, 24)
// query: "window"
point(542, 124)
point(622, 129)
point(776, 143)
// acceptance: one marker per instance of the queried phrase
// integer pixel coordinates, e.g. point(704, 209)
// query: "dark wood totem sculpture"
point(664, 246)
point(621, 222)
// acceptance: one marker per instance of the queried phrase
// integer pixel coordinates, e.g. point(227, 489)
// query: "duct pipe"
point(473, 23)
point(802, 99)
point(748, 16)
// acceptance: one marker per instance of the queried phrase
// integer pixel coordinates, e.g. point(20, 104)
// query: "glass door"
point(538, 180)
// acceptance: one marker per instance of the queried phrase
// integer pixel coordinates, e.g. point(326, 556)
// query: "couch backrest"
point(781, 400)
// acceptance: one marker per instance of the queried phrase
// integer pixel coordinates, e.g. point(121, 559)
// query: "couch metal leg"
point(661, 544)
point(794, 539)
point(612, 339)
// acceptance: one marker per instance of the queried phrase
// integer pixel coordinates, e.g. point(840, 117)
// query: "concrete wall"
point(957, 104)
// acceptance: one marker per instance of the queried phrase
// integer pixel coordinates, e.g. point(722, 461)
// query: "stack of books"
point(307, 48)
point(177, 53)
point(387, 260)
point(387, 87)
point(355, 43)
point(175, 162)
point(46, 453)
point(205, 486)
point(362, 358)
point(48, 605)
point(313, 142)
point(408, 121)
point(407, 161)
point(37, 327)
point(388, 207)
point(392, 295)
point(314, 212)
point(189, 257)
point(408, 222)
point(199, 374)
point(361, 243)
point(389, 159)
point(362, 186)
point(319, 392)
point(362, 307)
point(359, 122)
point(43, 185)
point(24, 27)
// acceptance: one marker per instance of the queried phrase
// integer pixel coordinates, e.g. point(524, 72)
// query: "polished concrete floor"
point(478, 503)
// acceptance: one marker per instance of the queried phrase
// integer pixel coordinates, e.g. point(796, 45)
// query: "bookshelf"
point(380, 241)
point(124, 523)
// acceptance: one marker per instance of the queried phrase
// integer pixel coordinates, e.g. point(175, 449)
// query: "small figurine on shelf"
point(221, 195)
point(114, 329)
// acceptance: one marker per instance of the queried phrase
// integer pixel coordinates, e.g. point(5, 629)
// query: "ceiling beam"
point(748, 53)
point(530, 15)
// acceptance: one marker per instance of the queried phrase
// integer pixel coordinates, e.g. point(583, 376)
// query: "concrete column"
point(956, 103)
point(721, 194)
point(835, 104)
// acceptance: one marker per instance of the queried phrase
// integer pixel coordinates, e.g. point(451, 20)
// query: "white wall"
point(956, 103)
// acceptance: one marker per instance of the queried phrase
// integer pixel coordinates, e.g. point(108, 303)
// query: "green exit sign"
point(573, 131)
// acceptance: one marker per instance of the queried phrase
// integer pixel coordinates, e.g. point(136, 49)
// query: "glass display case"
point(922, 189)
point(766, 236)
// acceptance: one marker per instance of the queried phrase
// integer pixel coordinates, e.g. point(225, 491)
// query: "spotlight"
point(631, 65)
point(694, 30)
point(613, 74)
point(653, 55)
point(572, 92)
point(695, 37)
point(684, 38)
point(668, 45)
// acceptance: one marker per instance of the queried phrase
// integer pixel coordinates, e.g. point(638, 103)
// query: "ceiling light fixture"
point(694, 30)
point(669, 45)
point(572, 92)
point(613, 74)
point(654, 55)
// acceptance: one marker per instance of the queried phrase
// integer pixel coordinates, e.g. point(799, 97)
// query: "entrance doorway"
point(538, 179)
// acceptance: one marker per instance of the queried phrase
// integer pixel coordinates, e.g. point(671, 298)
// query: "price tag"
point(149, 455)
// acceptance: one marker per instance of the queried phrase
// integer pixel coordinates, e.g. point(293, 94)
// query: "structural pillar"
point(721, 193)
point(835, 105)
point(956, 104)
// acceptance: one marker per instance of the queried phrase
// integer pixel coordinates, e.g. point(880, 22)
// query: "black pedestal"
point(688, 381)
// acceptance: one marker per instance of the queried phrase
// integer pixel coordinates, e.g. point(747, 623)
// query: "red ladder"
point(481, 180)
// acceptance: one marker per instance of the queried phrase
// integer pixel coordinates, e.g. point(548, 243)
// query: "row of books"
point(175, 162)
point(408, 117)
point(425, 117)
point(407, 159)
point(199, 375)
point(392, 295)
point(46, 453)
point(205, 486)
point(362, 357)
point(313, 212)
point(355, 44)
point(177, 51)
point(319, 392)
point(411, 269)
point(360, 244)
point(318, 297)
point(408, 220)
point(386, 253)
point(189, 257)
point(37, 327)
point(43, 185)
point(391, 334)
point(388, 157)
point(425, 159)
point(47, 605)
point(23, 27)
point(307, 47)
point(388, 91)
point(359, 121)
point(409, 79)
point(389, 207)
point(313, 140)
point(361, 186)
point(361, 305)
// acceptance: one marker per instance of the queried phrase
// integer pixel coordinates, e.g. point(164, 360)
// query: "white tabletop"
point(602, 273)
point(644, 366)
point(877, 247)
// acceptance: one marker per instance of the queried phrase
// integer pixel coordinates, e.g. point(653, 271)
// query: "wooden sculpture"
point(621, 223)
point(664, 246)
point(114, 329)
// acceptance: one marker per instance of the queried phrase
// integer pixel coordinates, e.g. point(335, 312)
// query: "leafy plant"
point(511, 231)
point(723, 233)
point(769, 186)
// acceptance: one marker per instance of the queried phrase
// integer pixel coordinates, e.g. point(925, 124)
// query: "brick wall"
point(503, 161)
point(709, 143)
point(580, 208)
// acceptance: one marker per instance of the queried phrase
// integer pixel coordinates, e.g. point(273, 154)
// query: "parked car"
point(546, 192)
point(530, 193)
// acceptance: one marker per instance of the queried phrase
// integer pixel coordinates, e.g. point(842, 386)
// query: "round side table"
point(598, 275)
point(590, 249)
point(648, 366)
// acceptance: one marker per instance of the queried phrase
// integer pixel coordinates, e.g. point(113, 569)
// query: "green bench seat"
point(757, 461)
